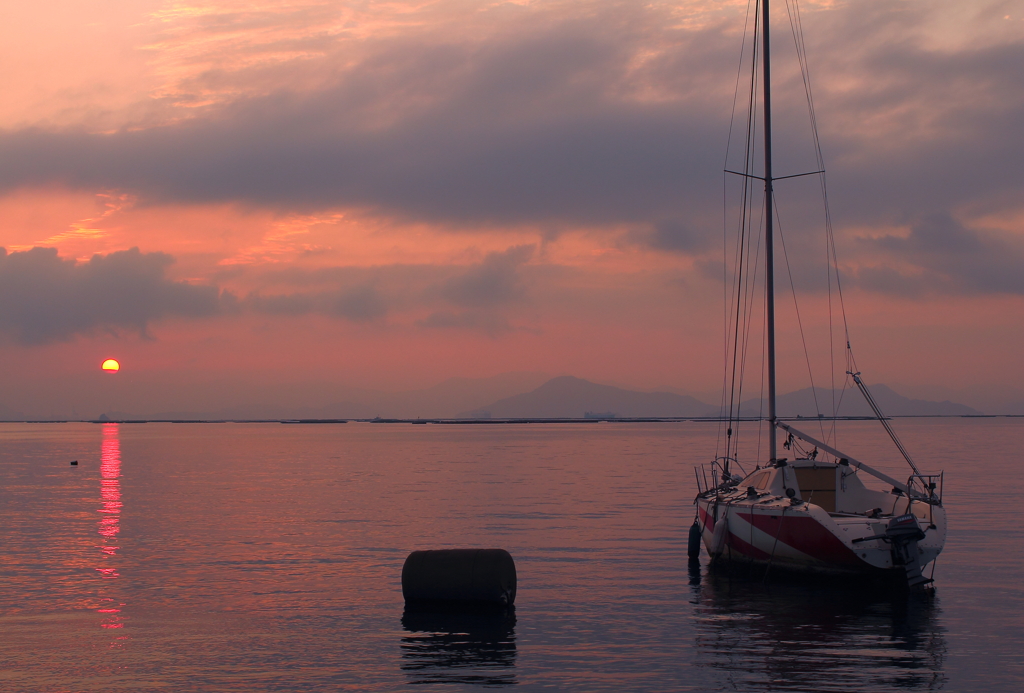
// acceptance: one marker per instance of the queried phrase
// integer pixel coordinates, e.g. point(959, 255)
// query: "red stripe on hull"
point(706, 519)
point(805, 534)
point(746, 549)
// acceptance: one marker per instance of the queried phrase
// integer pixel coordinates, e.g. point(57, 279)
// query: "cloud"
point(586, 113)
point(280, 304)
point(614, 116)
point(941, 255)
point(533, 126)
point(489, 323)
point(494, 281)
point(358, 304)
point(671, 235)
point(455, 296)
point(917, 114)
point(482, 294)
point(44, 298)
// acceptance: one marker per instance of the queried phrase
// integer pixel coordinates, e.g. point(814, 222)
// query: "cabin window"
point(818, 486)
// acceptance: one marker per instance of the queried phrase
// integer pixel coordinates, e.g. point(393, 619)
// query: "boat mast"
point(768, 230)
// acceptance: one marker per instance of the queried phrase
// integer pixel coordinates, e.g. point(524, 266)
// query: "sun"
point(111, 366)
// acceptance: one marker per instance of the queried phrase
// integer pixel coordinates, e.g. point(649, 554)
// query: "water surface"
point(267, 557)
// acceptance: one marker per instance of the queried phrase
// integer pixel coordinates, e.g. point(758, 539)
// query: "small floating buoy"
point(74, 463)
point(693, 544)
point(486, 576)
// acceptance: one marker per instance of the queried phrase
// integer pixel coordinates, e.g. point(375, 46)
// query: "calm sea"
point(267, 557)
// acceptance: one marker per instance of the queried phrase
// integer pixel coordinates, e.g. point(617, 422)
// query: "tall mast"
point(768, 230)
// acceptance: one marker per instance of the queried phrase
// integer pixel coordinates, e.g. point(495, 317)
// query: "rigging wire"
point(739, 291)
point(764, 373)
point(726, 284)
point(799, 322)
point(832, 260)
point(740, 313)
point(748, 310)
point(741, 288)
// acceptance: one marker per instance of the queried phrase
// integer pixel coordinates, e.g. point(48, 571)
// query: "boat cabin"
point(835, 488)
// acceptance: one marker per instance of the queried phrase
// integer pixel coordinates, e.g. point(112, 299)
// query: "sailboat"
point(810, 513)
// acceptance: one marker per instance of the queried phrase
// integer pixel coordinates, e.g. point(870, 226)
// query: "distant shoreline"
point(536, 420)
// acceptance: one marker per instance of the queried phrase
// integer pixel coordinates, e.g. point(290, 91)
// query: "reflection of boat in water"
point(813, 638)
point(813, 513)
point(472, 645)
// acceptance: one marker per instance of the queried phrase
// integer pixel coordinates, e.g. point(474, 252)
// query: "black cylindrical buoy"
point(74, 463)
point(693, 546)
point(485, 576)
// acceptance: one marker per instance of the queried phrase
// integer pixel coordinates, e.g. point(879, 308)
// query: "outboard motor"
point(903, 533)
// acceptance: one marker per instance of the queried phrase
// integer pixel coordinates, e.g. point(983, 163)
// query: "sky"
point(241, 199)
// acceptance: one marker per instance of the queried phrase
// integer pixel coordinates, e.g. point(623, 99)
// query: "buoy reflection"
point(110, 519)
point(460, 645)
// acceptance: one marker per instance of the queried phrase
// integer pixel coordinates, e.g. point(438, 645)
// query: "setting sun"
point(111, 366)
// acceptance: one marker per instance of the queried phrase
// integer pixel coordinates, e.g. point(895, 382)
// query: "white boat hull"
point(769, 528)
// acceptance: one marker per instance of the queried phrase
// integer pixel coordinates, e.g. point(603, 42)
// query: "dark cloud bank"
point(543, 127)
point(548, 125)
point(520, 130)
point(946, 257)
point(44, 298)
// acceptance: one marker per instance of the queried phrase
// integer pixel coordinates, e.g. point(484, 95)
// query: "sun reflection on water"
point(110, 520)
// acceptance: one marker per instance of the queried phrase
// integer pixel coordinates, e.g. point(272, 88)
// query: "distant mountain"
point(851, 403)
point(444, 400)
point(455, 395)
point(532, 395)
point(567, 397)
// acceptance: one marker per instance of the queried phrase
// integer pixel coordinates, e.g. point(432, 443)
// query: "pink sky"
point(385, 195)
